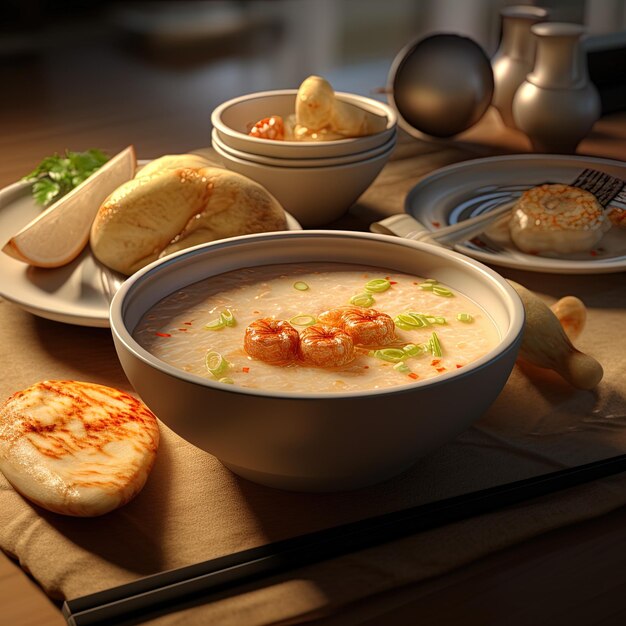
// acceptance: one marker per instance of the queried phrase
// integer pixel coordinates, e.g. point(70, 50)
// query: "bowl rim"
point(303, 162)
point(216, 118)
point(509, 340)
point(225, 154)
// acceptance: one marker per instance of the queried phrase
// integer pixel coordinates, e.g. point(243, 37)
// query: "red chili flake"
point(393, 282)
point(458, 365)
point(416, 283)
point(441, 369)
point(413, 375)
point(435, 223)
point(245, 369)
point(183, 330)
point(188, 323)
point(435, 362)
point(162, 334)
point(366, 367)
point(593, 252)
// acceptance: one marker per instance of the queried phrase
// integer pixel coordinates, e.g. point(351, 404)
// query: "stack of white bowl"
point(315, 181)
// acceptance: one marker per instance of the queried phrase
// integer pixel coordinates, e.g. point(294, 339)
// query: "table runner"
point(193, 509)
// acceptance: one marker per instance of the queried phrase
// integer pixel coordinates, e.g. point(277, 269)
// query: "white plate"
point(75, 293)
point(457, 192)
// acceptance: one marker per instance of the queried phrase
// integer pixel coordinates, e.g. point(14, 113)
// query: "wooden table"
point(576, 575)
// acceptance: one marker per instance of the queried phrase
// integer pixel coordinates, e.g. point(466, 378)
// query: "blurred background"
point(72, 71)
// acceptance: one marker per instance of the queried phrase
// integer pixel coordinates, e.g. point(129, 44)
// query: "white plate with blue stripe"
point(457, 192)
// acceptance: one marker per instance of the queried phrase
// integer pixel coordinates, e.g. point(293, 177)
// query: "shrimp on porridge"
point(334, 317)
point(273, 341)
point(367, 327)
point(325, 346)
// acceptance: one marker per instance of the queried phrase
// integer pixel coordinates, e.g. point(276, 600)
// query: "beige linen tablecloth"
point(194, 509)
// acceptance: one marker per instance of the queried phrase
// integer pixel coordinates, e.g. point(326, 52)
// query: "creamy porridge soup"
point(317, 327)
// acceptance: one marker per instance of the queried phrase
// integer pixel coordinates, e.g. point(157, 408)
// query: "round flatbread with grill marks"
point(76, 448)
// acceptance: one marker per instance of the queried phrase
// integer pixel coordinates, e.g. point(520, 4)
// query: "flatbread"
point(76, 448)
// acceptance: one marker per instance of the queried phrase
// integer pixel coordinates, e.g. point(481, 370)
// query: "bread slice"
point(76, 448)
point(173, 204)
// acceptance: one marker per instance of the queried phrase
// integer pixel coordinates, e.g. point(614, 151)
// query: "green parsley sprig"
point(56, 175)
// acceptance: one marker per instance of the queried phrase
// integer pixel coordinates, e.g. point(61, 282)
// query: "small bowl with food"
point(316, 150)
point(315, 195)
point(312, 121)
point(317, 360)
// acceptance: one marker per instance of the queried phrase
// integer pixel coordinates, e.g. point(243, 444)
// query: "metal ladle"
point(440, 85)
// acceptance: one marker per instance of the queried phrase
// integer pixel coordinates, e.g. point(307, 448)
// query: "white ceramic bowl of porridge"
point(233, 119)
point(317, 425)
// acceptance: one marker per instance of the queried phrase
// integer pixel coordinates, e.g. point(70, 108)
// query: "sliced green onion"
point(412, 349)
point(407, 318)
point(226, 380)
point(421, 319)
point(406, 322)
point(427, 320)
point(412, 320)
point(402, 326)
point(426, 286)
point(435, 319)
point(393, 355)
point(442, 291)
point(228, 318)
point(300, 285)
point(378, 285)
point(216, 363)
point(466, 318)
point(303, 320)
point(435, 345)
point(402, 367)
point(217, 324)
point(362, 299)
point(432, 281)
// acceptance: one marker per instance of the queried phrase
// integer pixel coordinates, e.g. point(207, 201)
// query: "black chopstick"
point(165, 591)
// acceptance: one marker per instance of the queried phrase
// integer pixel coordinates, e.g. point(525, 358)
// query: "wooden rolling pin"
point(545, 342)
